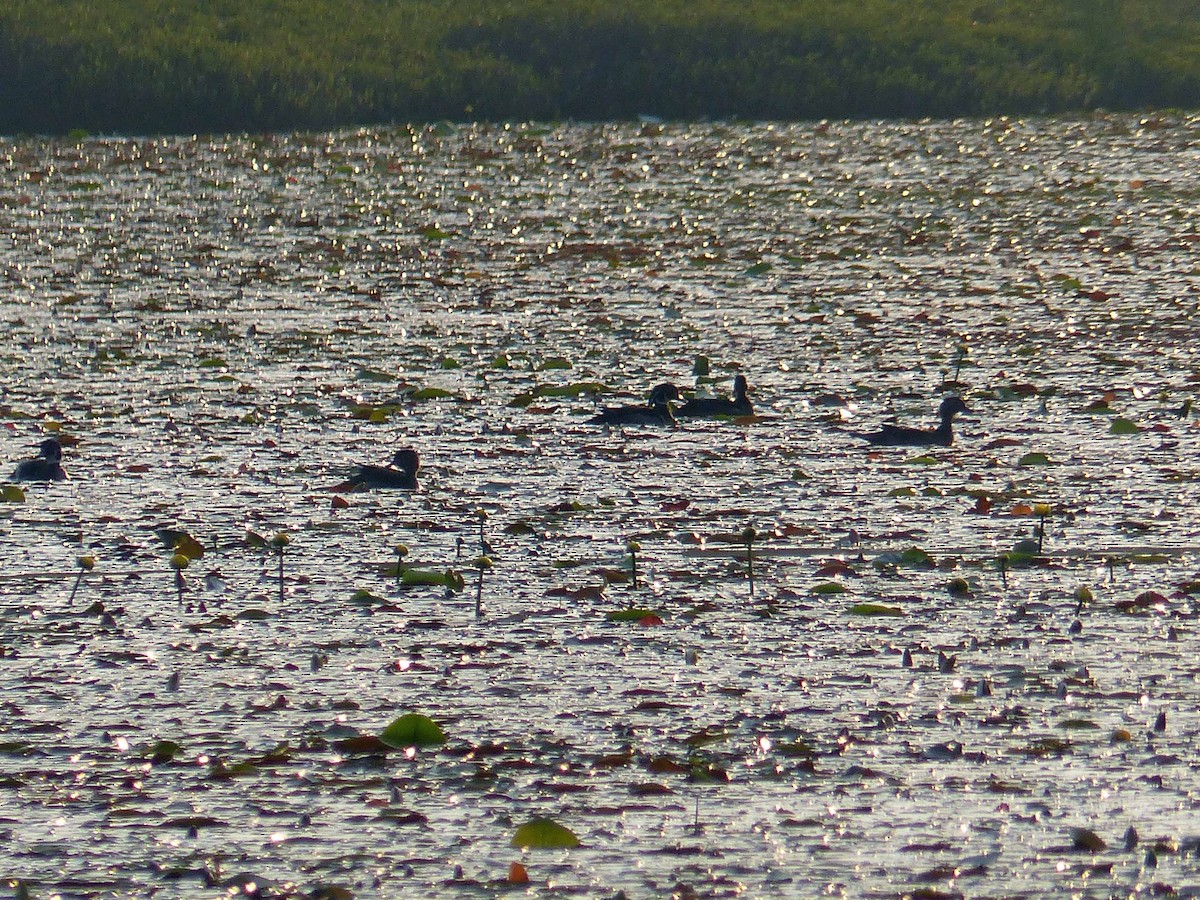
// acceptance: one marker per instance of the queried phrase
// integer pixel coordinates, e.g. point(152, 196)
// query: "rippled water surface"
point(221, 329)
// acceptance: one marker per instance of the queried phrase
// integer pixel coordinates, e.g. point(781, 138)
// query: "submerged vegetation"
point(191, 66)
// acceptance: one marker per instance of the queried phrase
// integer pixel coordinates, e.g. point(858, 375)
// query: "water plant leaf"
point(429, 578)
point(366, 373)
point(570, 390)
point(916, 558)
point(634, 614)
point(1034, 459)
point(829, 587)
point(925, 459)
point(875, 609)
point(1086, 839)
point(1123, 426)
point(413, 730)
point(10, 493)
point(180, 542)
point(544, 834)
point(431, 393)
point(363, 597)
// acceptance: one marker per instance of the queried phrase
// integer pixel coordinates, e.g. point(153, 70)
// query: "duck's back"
point(39, 469)
point(716, 406)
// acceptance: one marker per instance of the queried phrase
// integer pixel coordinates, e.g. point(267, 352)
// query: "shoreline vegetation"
point(201, 66)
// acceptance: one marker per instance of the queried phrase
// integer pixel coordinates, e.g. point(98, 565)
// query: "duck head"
point(951, 407)
point(664, 393)
point(50, 450)
point(407, 460)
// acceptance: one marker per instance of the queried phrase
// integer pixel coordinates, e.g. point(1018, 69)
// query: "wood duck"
point(656, 411)
point(890, 435)
point(719, 406)
point(46, 466)
point(400, 474)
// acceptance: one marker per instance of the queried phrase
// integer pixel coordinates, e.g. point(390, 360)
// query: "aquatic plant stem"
point(279, 542)
point(1004, 571)
point(749, 534)
point(633, 547)
point(482, 563)
point(86, 563)
point(401, 552)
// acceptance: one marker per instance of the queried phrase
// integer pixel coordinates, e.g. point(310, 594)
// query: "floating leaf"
point(413, 730)
point(1034, 459)
point(555, 362)
point(632, 615)
point(829, 587)
point(1086, 839)
point(430, 393)
point(428, 578)
point(924, 459)
point(365, 598)
point(916, 558)
point(544, 834)
point(570, 390)
point(368, 374)
point(1123, 426)
point(875, 609)
point(10, 493)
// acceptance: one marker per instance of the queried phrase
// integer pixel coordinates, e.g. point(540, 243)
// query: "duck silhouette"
point(46, 466)
point(656, 410)
point(890, 435)
point(400, 474)
point(707, 407)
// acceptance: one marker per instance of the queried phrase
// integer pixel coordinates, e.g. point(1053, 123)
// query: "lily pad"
point(544, 834)
point(875, 609)
point(413, 730)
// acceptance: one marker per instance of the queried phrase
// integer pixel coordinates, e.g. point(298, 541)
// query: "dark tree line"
point(186, 66)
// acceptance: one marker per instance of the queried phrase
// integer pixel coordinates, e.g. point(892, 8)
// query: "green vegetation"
point(219, 65)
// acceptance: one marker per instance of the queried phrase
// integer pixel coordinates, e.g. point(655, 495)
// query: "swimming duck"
point(656, 411)
point(46, 466)
point(400, 474)
point(901, 436)
point(719, 406)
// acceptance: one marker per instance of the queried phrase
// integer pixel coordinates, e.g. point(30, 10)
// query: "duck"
point(399, 474)
point(46, 466)
point(656, 411)
point(902, 436)
point(705, 407)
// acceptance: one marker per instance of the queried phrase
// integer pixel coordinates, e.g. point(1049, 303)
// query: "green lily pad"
point(429, 578)
point(431, 393)
point(875, 609)
point(1034, 459)
point(829, 587)
point(10, 493)
point(544, 834)
point(1123, 426)
point(916, 558)
point(413, 730)
point(630, 615)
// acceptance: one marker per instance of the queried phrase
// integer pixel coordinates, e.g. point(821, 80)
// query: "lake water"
point(226, 326)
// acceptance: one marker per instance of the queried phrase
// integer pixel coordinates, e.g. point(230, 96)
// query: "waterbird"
point(656, 410)
point(704, 407)
point(890, 435)
point(46, 466)
point(400, 473)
